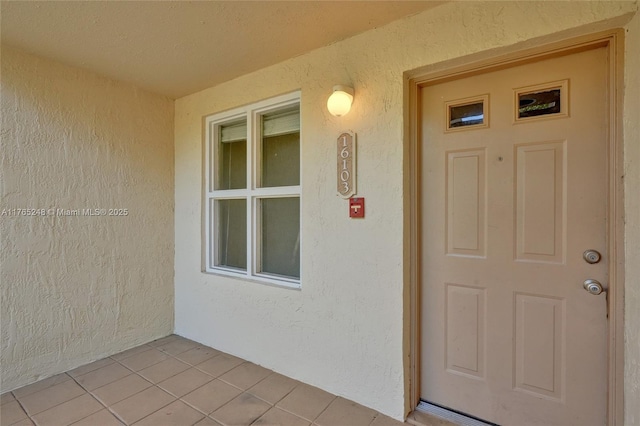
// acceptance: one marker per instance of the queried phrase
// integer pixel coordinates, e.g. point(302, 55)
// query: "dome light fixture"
point(339, 103)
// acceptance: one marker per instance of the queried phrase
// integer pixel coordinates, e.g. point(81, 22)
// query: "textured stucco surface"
point(343, 331)
point(76, 289)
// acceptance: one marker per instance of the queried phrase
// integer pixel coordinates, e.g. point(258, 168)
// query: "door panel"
point(509, 205)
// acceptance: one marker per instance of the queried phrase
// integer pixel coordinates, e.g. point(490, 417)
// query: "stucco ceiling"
point(179, 47)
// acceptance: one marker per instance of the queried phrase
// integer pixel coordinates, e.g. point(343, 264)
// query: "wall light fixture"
point(339, 103)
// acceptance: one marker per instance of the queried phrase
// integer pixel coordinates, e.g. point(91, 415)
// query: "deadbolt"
point(593, 286)
point(591, 256)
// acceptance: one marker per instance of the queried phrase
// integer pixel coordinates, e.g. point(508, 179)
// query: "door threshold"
point(427, 414)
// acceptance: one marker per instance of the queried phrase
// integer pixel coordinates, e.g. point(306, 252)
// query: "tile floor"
point(177, 382)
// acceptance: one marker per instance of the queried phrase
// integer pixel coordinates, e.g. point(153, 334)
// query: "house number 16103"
point(346, 164)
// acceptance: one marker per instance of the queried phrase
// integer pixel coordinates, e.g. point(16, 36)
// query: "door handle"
point(593, 286)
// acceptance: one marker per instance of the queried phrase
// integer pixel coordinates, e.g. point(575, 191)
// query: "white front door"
point(514, 190)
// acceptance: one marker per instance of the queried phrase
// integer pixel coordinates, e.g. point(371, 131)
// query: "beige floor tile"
point(169, 363)
point(242, 410)
point(131, 352)
point(306, 401)
point(197, 355)
point(342, 412)
point(6, 397)
point(42, 384)
point(50, 397)
point(276, 416)
point(143, 360)
point(141, 404)
point(103, 376)
point(101, 418)
point(121, 389)
point(163, 370)
point(211, 396)
point(219, 365)
point(175, 414)
point(68, 412)
point(245, 375)
point(11, 412)
point(273, 388)
point(208, 421)
point(185, 382)
point(164, 340)
point(177, 346)
point(84, 369)
point(382, 420)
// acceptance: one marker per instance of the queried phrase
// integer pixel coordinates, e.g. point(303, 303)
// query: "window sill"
point(258, 279)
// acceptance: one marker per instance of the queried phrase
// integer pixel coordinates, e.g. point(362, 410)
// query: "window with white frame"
point(252, 191)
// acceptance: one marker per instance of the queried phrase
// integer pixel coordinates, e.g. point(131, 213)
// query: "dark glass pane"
point(233, 165)
point(540, 103)
point(231, 233)
point(232, 156)
point(280, 148)
point(281, 160)
point(466, 115)
point(280, 236)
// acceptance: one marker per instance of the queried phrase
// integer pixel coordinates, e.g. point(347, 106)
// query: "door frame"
point(484, 62)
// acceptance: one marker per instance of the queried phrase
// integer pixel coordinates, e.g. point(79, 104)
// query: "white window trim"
point(252, 193)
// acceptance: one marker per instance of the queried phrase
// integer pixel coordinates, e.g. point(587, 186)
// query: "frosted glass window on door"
point(231, 230)
point(232, 156)
point(280, 148)
point(280, 236)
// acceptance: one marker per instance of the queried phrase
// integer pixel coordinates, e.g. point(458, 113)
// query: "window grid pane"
point(231, 231)
point(280, 148)
point(280, 236)
point(232, 156)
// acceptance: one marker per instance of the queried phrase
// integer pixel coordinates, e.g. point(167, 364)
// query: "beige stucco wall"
point(343, 331)
point(75, 289)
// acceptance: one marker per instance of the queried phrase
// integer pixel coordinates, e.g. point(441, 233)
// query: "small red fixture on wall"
point(356, 207)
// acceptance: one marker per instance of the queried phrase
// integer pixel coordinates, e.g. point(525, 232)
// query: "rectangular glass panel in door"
point(232, 156)
point(280, 236)
point(466, 115)
point(231, 230)
point(539, 103)
point(280, 148)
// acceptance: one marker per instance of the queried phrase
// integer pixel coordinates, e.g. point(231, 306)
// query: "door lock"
point(591, 256)
point(593, 286)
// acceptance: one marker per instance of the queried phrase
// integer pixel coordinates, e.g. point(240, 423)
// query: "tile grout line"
point(153, 412)
point(174, 356)
point(108, 407)
point(152, 384)
point(283, 397)
point(156, 384)
point(325, 409)
point(223, 405)
point(31, 417)
point(375, 417)
point(22, 407)
point(99, 402)
point(236, 387)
